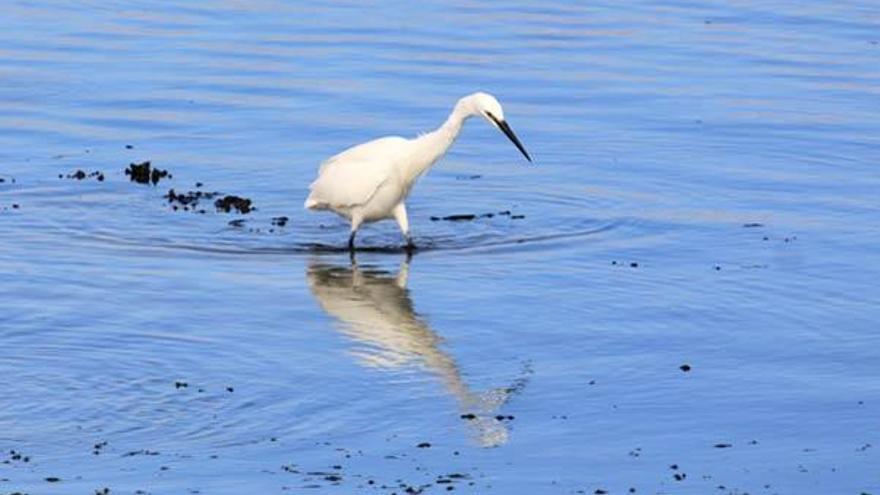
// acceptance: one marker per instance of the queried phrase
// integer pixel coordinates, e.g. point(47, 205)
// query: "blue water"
point(705, 193)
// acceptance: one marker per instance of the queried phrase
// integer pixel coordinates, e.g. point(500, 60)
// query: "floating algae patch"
point(191, 201)
point(230, 202)
point(144, 173)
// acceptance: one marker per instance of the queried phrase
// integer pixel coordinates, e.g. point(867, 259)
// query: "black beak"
point(505, 128)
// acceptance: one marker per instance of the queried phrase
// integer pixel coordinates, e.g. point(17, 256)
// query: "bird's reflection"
point(374, 307)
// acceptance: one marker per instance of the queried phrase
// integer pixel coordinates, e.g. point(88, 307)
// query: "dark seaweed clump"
point(188, 200)
point(143, 173)
point(231, 202)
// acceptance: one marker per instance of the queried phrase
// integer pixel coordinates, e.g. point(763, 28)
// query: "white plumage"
point(371, 181)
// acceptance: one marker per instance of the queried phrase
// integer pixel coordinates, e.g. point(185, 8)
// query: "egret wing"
point(385, 147)
point(352, 177)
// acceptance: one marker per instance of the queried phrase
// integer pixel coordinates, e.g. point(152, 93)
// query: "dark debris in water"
point(468, 217)
point(16, 456)
point(98, 447)
point(631, 264)
point(189, 201)
point(144, 173)
point(752, 225)
point(134, 453)
point(280, 221)
point(230, 202)
point(81, 175)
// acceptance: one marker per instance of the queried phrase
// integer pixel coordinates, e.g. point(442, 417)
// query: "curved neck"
point(433, 145)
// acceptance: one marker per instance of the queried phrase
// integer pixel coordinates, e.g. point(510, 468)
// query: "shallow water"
point(704, 193)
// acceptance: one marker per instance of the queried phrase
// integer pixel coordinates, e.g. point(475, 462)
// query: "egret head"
point(486, 106)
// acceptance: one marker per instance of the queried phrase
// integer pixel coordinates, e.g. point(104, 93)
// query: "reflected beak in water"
point(505, 128)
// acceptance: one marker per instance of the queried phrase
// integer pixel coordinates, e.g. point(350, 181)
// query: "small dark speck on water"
point(424, 445)
point(180, 384)
point(53, 479)
point(634, 264)
point(685, 367)
point(129, 147)
point(752, 225)
point(723, 445)
point(230, 389)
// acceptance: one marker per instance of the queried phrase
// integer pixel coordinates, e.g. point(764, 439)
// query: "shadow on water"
point(374, 308)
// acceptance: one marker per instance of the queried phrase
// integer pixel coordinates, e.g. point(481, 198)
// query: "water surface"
point(704, 193)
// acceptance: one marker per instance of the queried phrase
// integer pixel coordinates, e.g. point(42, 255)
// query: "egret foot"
point(409, 247)
point(351, 241)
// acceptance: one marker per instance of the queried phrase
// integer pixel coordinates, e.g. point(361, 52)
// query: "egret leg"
point(356, 220)
point(403, 222)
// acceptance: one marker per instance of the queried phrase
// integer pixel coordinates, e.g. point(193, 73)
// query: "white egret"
point(371, 181)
